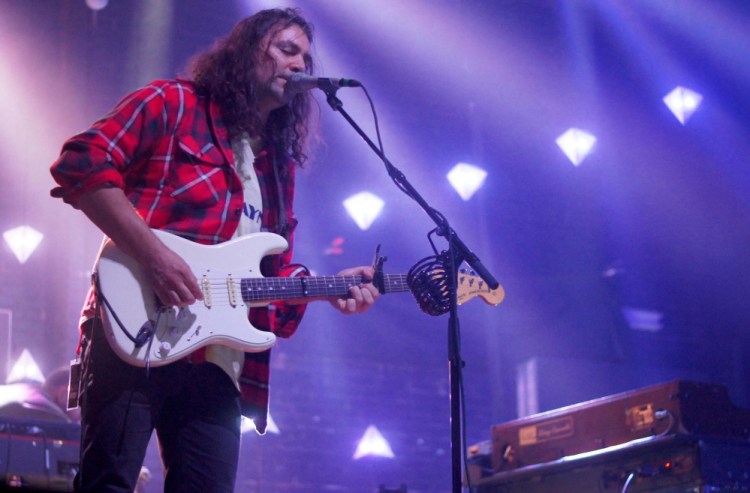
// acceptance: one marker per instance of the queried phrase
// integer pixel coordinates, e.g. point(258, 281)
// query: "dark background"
point(656, 218)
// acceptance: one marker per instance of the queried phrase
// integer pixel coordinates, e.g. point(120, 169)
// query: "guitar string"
point(259, 288)
point(310, 279)
point(260, 283)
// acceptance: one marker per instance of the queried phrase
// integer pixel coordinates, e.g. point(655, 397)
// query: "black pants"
point(193, 407)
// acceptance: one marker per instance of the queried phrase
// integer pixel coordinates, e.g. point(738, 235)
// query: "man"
point(208, 159)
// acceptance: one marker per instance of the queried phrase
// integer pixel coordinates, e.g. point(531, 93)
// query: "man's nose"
point(297, 64)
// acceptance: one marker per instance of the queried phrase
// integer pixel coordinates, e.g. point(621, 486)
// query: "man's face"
point(281, 53)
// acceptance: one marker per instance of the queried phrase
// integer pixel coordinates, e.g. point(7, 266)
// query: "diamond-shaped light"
point(23, 240)
point(641, 319)
point(373, 444)
point(25, 369)
point(466, 179)
point(683, 103)
point(97, 4)
point(576, 144)
point(248, 424)
point(364, 208)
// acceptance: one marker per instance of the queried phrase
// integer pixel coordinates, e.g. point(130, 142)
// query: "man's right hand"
point(170, 276)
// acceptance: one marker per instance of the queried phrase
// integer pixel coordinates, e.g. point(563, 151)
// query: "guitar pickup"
point(206, 289)
point(231, 290)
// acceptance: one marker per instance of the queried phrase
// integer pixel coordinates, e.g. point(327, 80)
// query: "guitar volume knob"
point(164, 349)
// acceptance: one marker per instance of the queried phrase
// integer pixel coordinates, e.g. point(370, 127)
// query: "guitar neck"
point(257, 289)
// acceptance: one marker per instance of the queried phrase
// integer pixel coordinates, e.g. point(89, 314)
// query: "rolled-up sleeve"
point(101, 155)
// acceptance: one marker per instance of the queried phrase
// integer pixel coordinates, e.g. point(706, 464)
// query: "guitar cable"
point(151, 338)
point(147, 330)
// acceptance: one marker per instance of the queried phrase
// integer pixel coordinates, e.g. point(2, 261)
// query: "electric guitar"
point(143, 332)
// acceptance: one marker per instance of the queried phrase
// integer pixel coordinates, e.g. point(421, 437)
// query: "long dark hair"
point(225, 72)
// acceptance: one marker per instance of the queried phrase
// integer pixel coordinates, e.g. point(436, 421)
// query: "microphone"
point(429, 282)
point(300, 82)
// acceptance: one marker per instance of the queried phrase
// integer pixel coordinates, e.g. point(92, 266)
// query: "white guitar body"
point(221, 318)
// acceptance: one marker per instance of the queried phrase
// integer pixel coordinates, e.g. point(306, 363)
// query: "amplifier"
point(38, 455)
point(669, 464)
point(674, 408)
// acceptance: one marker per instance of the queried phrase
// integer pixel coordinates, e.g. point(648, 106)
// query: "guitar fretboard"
point(284, 288)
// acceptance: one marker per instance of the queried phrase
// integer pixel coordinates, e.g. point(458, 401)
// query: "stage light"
point(466, 179)
point(248, 424)
point(8, 339)
point(373, 444)
point(25, 369)
point(23, 241)
point(576, 144)
point(645, 320)
point(96, 4)
point(364, 208)
point(527, 388)
point(336, 247)
point(683, 102)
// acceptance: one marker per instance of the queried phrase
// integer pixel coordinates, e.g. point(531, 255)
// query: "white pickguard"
point(220, 319)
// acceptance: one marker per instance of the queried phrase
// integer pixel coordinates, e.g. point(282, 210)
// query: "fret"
point(258, 289)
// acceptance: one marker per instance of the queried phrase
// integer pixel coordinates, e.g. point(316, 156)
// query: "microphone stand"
point(458, 252)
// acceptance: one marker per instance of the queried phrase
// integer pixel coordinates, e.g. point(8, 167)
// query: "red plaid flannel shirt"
point(170, 153)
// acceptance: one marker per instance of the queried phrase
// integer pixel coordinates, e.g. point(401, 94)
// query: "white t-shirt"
point(228, 359)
